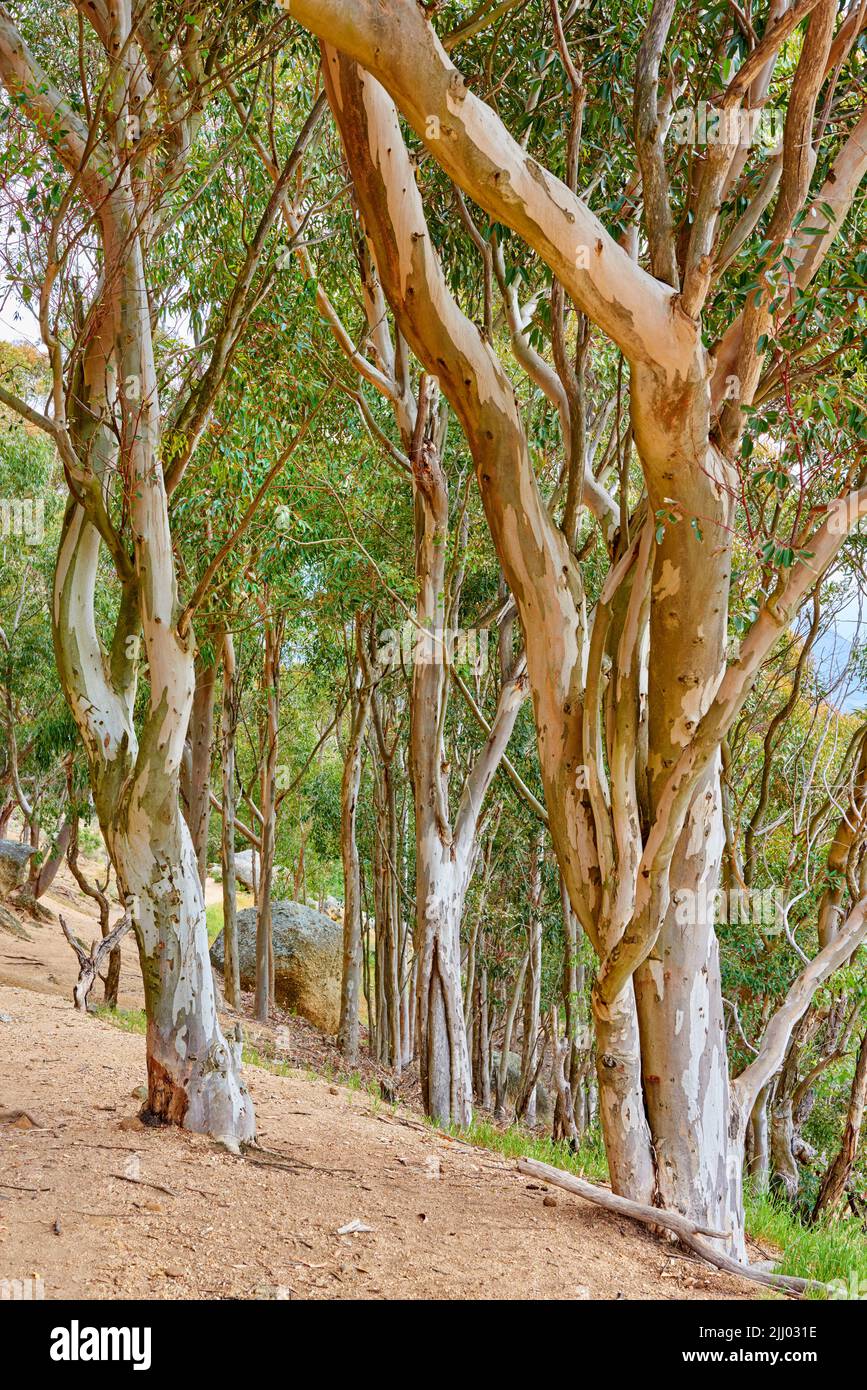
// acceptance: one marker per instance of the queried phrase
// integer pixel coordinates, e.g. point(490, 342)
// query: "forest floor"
point(100, 1206)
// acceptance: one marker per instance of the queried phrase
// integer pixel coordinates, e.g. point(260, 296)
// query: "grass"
point(214, 914)
point(127, 1020)
point(826, 1252)
point(589, 1162)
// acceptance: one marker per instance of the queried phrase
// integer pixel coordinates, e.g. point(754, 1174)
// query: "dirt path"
point(448, 1221)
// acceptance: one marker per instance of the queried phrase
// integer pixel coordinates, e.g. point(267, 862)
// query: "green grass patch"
point(127, 1020)
point(214, 915)
point(825, 1251)
point(589, 1162)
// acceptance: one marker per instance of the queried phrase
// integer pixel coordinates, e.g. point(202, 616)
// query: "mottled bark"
point(196, 768)
point(228, 724)
point(645, 824)
point(350, 990)
point(108, 426)
point(839, 1172)
point(272, 637)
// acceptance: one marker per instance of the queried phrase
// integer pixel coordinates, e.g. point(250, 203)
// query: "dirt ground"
point(99, 1206)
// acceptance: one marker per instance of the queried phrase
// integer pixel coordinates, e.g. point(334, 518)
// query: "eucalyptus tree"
point(738, 272)
point(103, 117)
point(30, 703)
point(445, 852)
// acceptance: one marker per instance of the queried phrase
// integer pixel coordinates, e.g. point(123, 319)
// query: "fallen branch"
point(143, 1182)
point(693, 1236)
point(90, 963)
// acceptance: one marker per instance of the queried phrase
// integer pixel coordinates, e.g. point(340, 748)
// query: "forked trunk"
point(444, 1061)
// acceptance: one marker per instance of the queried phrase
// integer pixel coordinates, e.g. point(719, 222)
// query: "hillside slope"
point(448, 1220)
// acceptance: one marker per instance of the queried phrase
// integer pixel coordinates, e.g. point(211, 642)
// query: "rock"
point(308, 953)
point(9, 923)
point(5, 1018)
point(14, 860)
point(245, 863)
point(544, 1102)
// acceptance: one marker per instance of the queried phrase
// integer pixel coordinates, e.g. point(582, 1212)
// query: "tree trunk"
point(758, 1153)
point(532, 987)
point(193, 1071)
point(444, 1061)
point(272, 634)
point(480, 1045)
point(786, 1175)
point(47, 871)
point(837, 1177)
point(196, 769)
point(228, 718)
point(502, 1073)
point(350, 989)
point(683, 1041)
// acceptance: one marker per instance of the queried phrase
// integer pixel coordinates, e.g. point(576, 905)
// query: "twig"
point(142, 1182)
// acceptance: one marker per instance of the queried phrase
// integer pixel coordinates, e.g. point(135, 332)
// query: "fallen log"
point(695, 1237)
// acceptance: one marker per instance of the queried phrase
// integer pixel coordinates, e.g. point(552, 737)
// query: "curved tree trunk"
point(193, 1071)
point(837, 1177)
point(47, 871)
point(645, 824)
